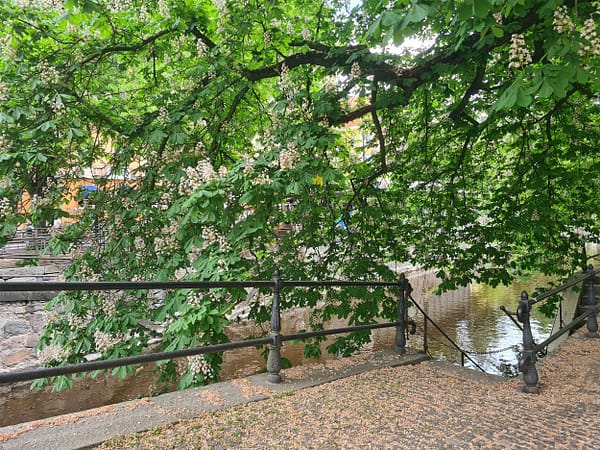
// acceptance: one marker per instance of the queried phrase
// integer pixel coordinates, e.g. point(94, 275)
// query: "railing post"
point(425, 342)
point(401, 317)
point(274, 359)
point(592, 322)
point(527, 361)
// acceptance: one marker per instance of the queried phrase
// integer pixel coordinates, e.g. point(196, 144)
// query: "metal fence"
point(274, 340)
point(530, 348)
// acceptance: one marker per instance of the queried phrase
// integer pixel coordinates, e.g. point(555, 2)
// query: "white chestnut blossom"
point(198, 365)
point(288, 157)
point(3, 92)
point(105, 341)
point(591, 44)
point(52, 353)
point(212, 236)
point(355, 70)
point(48, 73)
point(5, 207)
point(519, 55)
point(561, 21)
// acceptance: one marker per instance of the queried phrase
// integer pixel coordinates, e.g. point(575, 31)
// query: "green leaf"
point(481, 8)
point(545, 90)
point(498, 31)
point(508, 98)
point(523, 98)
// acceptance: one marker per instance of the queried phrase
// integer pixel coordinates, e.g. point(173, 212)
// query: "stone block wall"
point(22, 316)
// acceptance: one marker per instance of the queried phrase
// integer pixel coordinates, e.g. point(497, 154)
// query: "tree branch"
point(380, 136)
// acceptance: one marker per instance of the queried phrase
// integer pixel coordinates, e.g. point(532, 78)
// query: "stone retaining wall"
point(22, 316)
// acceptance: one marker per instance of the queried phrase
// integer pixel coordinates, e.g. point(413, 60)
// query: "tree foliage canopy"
point(474, 153)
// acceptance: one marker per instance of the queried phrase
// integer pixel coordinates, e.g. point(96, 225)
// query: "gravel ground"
point(427, 406)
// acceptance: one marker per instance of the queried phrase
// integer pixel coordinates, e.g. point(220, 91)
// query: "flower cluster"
point(140, 244)
point(267, 39)
point(194, 253)
point(143, 14)
point(562, 22)
point(166, 240)
point(5, 207)
point(195, 299)
point(163, 116)
point(58, 107)
point(48, 74)
point(164, 8)
point(355, 71)
point(41, 4)
point(497, 17)
point(108, 303)
point(201, 48)
point(262, 179)
point(77, 322)
point(198, 365)
point(288, 157)
point(519, 55)
point(52, 352)
point(211, 236)
point(6, 47)
point(4, 143)
point(285, 82)
point(591, 45)
point(116, 6)
point(181, 273)
point(203, 173)
point(40, 201)
point(104, 341)
point(3, 92)
point(221, 6)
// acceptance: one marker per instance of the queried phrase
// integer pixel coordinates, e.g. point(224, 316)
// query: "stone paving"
point(430, 405)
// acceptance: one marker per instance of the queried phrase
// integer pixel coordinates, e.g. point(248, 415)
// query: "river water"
point(472, 318)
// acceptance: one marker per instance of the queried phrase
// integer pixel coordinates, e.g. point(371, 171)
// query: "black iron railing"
point(530, 348)
point(274, 340)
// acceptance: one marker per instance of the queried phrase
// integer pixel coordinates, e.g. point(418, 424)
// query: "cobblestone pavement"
point(427, 406)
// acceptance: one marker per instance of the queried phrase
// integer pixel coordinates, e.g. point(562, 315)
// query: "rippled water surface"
point(473, 319)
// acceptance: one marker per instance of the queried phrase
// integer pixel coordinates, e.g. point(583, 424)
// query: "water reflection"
point(471, 316)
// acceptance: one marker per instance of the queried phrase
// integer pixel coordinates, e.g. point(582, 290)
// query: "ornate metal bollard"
point(592, 322)
point(527, 361)
point(274, 359)
point(401, 317)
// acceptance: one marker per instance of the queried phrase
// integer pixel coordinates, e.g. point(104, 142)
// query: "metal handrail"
point(574, 323)
point(575, 281)
point(273, 340)
point(530, 348)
